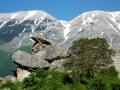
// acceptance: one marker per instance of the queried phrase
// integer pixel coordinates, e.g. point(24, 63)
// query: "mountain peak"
point(87, 25)
point(33, 14)
point(97, 12)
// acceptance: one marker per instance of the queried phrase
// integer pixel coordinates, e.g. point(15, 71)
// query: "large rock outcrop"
point(25, 59)
point(43, 54)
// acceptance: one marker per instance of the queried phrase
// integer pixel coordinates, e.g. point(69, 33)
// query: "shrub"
point(53, 80)
point(110, 71)
point(47, 80)
point(115, 86)
point(89, 57)
point(9, 85)
point(98, 85)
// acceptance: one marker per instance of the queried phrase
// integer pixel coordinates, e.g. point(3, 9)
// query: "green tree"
point(89, 56)
point(115, 86)
point(98, 85)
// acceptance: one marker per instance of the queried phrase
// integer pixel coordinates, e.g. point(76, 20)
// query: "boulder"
point(47, 49)
point(51, 53)
point(9, 78)
point(21, 74)
point(44, 52)
point(57, 65)
point(25, 59)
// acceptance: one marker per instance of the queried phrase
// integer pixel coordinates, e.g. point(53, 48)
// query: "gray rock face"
point(41, 57)
point(58, 65)
point(25, 59)
point(8, 78)
point(21, 74)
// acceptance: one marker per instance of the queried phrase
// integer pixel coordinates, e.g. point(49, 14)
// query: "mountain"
point(17, 28)
point(97, 24)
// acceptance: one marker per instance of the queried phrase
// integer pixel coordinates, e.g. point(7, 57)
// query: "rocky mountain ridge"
point(16, 28)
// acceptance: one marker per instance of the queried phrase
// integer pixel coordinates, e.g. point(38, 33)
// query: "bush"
point(30, 81)
point(12, 86)
point(9, 85)
point(98, 85)
point(67, 79)
point(110, 71)
point(89, 57)
point(115, 86)
point(48, 80)
point(90, 63)
point(53, 80)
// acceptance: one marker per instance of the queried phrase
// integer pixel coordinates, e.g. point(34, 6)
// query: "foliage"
point(11, 86)
point(115, 86)
point(53, 80)
point(110, 71)
point(98, 85)
point(89, 57)
point(48, 80)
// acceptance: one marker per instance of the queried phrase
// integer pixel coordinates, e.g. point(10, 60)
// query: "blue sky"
point(61, 9)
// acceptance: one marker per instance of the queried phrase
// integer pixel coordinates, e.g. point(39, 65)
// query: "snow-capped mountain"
point(17, 28)
point(96, 24)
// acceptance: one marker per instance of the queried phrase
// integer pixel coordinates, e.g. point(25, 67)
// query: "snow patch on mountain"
point(114, 28)
point(14, 15)
point(33, 29)
point(66, 29)
point(102, 33)
point(89, 19)
point(29, 14)
point(2, 25)
point(114, 19)
point(23, 30)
